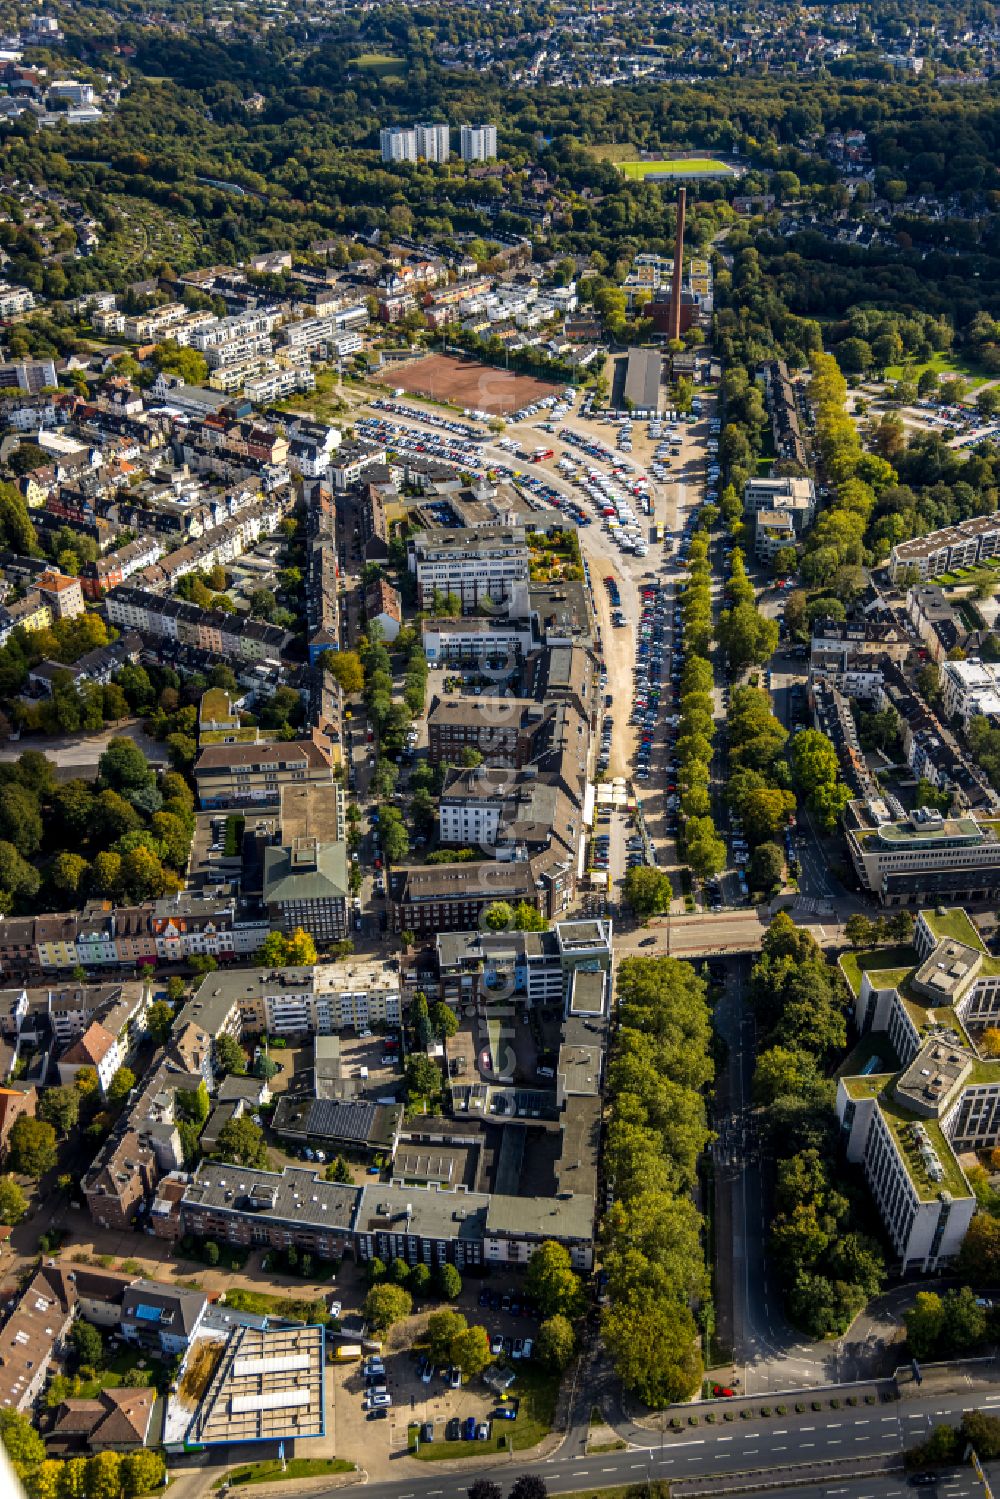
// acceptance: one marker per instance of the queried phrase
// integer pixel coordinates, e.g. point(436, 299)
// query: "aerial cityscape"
point(499, 749)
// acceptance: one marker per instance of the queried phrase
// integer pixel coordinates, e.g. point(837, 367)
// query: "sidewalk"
point(977, 1374)
point(783, 1478)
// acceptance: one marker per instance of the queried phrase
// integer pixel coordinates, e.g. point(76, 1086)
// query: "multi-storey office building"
point(530, 968)
point(925, 857)
point(925, 1095)
point(452, 897)
point(472, 565)
point(241, 775)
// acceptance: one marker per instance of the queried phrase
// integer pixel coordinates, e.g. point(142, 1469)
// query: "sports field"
point(468, 384)
point(683, 166)
point(381, 63)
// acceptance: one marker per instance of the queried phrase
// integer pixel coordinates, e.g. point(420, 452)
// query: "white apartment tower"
point(479, 142)
point(399, 143)
point(433, 142)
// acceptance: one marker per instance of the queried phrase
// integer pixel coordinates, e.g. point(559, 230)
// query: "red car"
point(721, 1389)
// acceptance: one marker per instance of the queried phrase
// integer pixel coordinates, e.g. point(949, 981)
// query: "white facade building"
point(398, 143)
point(478, 142)
point(433, 141)
point(970, 689)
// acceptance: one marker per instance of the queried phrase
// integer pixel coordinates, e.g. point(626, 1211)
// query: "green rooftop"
point(899, 1121)
point(248, 735)
point(954, 923)
point(950, 829)
point(867, 1087)
point(985, 1071)
point(887, 965)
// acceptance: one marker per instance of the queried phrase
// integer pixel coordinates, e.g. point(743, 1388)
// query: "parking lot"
point(379, 1401)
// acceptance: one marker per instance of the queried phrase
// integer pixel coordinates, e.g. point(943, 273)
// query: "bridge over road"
point(723, 933)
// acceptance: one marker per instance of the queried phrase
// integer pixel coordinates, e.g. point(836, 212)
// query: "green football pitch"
point(688, 166)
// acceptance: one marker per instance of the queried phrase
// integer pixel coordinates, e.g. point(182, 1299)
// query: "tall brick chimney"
point(675, 295)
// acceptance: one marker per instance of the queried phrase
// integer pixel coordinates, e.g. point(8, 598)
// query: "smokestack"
point(675, 295)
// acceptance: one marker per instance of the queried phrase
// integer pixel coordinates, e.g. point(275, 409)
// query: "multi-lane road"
point(851, 1438)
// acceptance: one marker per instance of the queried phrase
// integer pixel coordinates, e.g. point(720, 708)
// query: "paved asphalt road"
point(955, 1483)
point(859, 1435)
point(768, 1354)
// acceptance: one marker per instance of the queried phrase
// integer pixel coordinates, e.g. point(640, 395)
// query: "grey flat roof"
point(642, 378)
point(569, 1216)
point(426, 1212)
point(300, 1195)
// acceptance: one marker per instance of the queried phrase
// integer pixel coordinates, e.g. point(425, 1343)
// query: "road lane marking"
point(804, 1445)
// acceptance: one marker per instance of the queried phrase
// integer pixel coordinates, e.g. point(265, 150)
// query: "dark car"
point(378, 1414)
point(427, 1431)
point(923, 1480)
point(453, 1431)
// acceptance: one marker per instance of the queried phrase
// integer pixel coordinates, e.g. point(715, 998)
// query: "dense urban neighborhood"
point(499, 750)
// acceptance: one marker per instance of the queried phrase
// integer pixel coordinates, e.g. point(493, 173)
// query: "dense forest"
point(302, 163)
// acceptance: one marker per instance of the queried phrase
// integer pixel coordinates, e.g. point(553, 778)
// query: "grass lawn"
point(381, 63)
point(943, 364)
point(270, 1470)
point(688, 166)
point(323, 403)
point(124, 1370)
